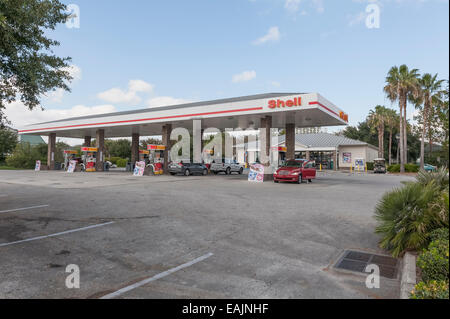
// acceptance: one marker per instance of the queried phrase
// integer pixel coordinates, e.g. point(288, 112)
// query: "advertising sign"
point(347, 157)
point(38, 166)
point(256, 173)
point(89, 149)
point(71, 167)
point(139, 169)
point(156, 147)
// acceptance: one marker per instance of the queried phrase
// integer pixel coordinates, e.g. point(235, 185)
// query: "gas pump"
point(156, 158)
point(89, 158)
point(69, 155)
point(144, 156)
point(278, 155)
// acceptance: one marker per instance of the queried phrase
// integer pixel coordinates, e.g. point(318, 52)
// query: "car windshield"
point(293, 164)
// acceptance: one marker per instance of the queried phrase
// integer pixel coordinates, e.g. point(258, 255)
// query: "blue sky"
point(175, 51)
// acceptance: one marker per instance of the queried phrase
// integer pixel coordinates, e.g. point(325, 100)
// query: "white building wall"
point(356, 151)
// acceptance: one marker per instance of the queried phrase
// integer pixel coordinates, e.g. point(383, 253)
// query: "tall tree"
point(402, 85)
point(377, 120)
point(8, 142)
point(430, 98)
point(392, 122)
point(28, 67)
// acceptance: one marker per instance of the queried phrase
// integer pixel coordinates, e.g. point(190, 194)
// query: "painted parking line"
point(56, 234)
point(156, 277)
point(20, 209)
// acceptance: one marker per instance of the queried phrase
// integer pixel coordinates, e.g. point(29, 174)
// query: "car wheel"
point(228, 172)
point(205, 172)
point(310, 180)
point(215, 173)
point(187, 172)
point(172, 174)
point(276, 182)
point(241, 170)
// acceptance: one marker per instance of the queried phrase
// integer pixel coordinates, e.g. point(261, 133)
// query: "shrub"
point(440, 177)
point(409, 168)
point(406, 216)
point(25, 155)
point(440, 234)
point(434, 261)
point(370, 166)
point(431, 290)
point(121, 162)
point(114, 160)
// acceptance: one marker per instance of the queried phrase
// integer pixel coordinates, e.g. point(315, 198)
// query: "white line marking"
point(19, 209)
point(156, 277)
point(57, 234)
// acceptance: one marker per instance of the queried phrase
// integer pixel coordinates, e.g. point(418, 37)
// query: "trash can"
point(129, 167)
point(105, 166)
point(57, 166)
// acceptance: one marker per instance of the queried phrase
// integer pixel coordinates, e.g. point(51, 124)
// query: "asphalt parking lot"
point(186, 237)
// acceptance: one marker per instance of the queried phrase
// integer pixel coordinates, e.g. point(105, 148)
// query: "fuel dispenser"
point(69, 155)
point(89, 158)
point(156, 158)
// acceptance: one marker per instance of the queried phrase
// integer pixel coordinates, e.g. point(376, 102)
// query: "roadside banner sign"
point(139, 169)
point(144, 152)
point(70, 152)
point(37, 168)
point(71, 167)
point(256, 174)
point(89, 149)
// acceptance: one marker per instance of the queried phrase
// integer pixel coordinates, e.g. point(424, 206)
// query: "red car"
point(295, 171)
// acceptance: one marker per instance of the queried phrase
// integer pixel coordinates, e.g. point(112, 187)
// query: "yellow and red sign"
point(156, 147)
point(89, 149)
point(70, 152)
point(144, 152)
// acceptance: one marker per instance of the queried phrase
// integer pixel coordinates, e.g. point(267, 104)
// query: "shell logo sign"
point(343, 116)
point(156, 147)
point(273, 104)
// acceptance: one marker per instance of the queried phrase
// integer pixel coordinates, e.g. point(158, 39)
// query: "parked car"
point(187, 168)
point(296, 171)
point(429, 168)
point(227, 167)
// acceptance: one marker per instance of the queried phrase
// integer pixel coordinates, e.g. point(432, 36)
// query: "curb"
point(408, 280)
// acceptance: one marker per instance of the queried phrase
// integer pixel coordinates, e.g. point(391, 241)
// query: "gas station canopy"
point(302, 110)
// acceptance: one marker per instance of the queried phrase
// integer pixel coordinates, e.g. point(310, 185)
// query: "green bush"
point(406, 217)
point(409, 168)
point(431, 290)
point(370, 166)
point(25, 156)
point(434, 261)
point(440, 177)
point(121, 162)
point(114, 160)
point(440, 234)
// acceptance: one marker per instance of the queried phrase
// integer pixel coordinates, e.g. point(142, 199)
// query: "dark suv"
point(187, 168)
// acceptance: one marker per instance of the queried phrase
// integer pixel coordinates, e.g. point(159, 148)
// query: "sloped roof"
point(316, 140)
point(32, 139)
point(323, 140)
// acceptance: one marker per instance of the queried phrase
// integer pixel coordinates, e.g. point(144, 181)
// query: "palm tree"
point(392, 121)
point(402, 85)
point(376, 121)
point(430, 97)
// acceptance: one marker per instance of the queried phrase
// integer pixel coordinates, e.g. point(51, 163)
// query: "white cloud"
point(244, 76)
point(20, 116)
point(275, 84)
point(117, 95)
point(272, 35)
point(165, 101)
point(292, 5)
